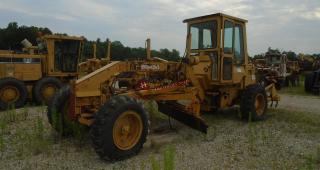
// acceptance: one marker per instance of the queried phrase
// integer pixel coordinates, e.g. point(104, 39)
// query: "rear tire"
point(308, 83)
point(279, 84)
point(286, 82)
point(114, 142)
point(254, 103)
point(13, 92)
point(57, 112)
point(45, 88)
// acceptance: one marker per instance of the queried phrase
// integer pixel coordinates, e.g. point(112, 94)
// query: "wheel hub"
point(48, 91)
point(9, 94)
point(259, 104)
point(127, 130)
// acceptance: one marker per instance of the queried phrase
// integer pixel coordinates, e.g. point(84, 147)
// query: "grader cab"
point(214, 73)
point(38, 71)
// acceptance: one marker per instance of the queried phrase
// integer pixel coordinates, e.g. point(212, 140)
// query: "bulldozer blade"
point(182, 116)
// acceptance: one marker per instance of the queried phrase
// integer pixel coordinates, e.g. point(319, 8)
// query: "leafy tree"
point(11, 36)
point(291, 55)
point(258, 56)
point(120, 52)
point(270, 50)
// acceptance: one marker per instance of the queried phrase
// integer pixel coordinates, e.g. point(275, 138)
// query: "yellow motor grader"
point(38, 71)
point(278, 69)
point(214, 73)
point(94, 63)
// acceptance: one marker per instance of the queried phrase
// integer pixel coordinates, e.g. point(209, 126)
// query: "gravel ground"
point(288, 139)
point(300, 103)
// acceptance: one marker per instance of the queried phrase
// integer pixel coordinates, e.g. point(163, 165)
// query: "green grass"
point(168, 160)
point(286, 140)
point(312, 161)
point(2, 134)
point(155, 164)
point(152, 108)
point(311, 119)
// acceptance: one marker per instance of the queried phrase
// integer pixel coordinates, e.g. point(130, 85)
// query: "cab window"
point(228, 37)
point(66, 54)
point(204, 35)
point(238, 44)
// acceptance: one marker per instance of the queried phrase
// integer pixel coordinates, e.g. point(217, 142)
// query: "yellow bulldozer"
point(214, 73)
point(38, 71)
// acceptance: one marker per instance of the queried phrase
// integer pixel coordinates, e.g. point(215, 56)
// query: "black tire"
point(123, 83)
point(308, 83)
point(20, 86)
point(263, 82)
point(40, 84)
point(103, 126)
point(278, 85)
point(247, 105)
point(57, 112)
point(286, 82)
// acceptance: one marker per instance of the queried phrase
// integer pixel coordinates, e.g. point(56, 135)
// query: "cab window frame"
point(213, 32)
point(239, 59)
point(231, 49)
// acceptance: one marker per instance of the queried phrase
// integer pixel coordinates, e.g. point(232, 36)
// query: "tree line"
point(121, 52)
point(13, 34)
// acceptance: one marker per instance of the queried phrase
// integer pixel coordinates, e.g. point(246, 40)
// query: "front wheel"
point(120, 128)
point(254, 104)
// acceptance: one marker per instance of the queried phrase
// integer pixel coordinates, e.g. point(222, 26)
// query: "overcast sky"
point(284, 24)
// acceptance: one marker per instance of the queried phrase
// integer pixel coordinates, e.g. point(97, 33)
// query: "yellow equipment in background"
point(94, 63)
point(38, 71)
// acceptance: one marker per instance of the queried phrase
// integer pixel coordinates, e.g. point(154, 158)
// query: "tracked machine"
point(214, 73)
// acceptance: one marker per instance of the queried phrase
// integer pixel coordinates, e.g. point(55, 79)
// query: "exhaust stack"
point(26, 43)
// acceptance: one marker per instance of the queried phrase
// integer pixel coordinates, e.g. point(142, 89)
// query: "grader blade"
point(182, 116)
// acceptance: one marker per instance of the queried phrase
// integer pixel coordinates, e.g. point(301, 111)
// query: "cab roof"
point(215, 15)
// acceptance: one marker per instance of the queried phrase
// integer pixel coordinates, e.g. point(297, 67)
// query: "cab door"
point(227, 51)
point(239, 53)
